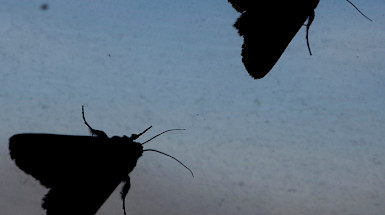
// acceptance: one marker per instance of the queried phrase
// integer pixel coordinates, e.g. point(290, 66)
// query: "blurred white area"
point(306, 139)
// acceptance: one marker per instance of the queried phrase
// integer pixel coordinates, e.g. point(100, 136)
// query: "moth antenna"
point(153, 150)
point(85, 121)
point(359, 11)
point(176, 129)
point(145, 131)
point(136, 136)
point(98, 133)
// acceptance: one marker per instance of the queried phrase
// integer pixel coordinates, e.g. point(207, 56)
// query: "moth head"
point(157, 151)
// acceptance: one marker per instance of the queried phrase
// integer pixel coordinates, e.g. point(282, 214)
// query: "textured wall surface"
point(306, 139)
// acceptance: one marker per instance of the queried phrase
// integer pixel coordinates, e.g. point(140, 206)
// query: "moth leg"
point(95, 132)
point(309, 22)
point(125, 189)
point(311, 12)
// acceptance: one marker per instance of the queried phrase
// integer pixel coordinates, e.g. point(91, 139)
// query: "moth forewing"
point(82, 171)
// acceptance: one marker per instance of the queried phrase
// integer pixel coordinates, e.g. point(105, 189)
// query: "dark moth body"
point(267, 28)
point(82, 171)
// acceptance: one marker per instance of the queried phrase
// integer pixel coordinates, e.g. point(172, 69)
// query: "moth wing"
point(240, 5)
point(86, 196)
point(84, 169)
point(55, 159)
point(267, 28)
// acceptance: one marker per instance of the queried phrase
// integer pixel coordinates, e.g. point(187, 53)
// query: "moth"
point(267, 28)
point(81, 171)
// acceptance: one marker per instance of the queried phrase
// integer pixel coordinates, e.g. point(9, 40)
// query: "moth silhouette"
point(81, 171)
point(267, 28)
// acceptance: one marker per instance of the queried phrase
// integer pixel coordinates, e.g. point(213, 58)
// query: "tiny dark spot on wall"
point(43, 106)
point(376, 161)
point(221, 202)
point(257, 102)
point(44, 6)
point(292, 190)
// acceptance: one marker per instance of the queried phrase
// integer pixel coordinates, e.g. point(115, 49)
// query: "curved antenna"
point(98, 133)
point(153, 150)
point(176, 129)
point(359, 10)
point(85, 121)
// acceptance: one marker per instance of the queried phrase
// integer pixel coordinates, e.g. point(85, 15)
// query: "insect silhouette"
point(267, 34)
point(81, 171)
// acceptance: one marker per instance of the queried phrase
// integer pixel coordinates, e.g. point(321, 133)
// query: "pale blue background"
point(307, 139)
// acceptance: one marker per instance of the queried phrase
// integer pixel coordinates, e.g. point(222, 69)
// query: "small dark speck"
point(376, 161)
point(221, 202)
point(44, 6)
point(109, 55)
point(257, 102)
point(43, 106)
point(292, 190)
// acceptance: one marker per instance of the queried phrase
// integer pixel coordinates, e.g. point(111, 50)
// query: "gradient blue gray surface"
point(307, 139)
